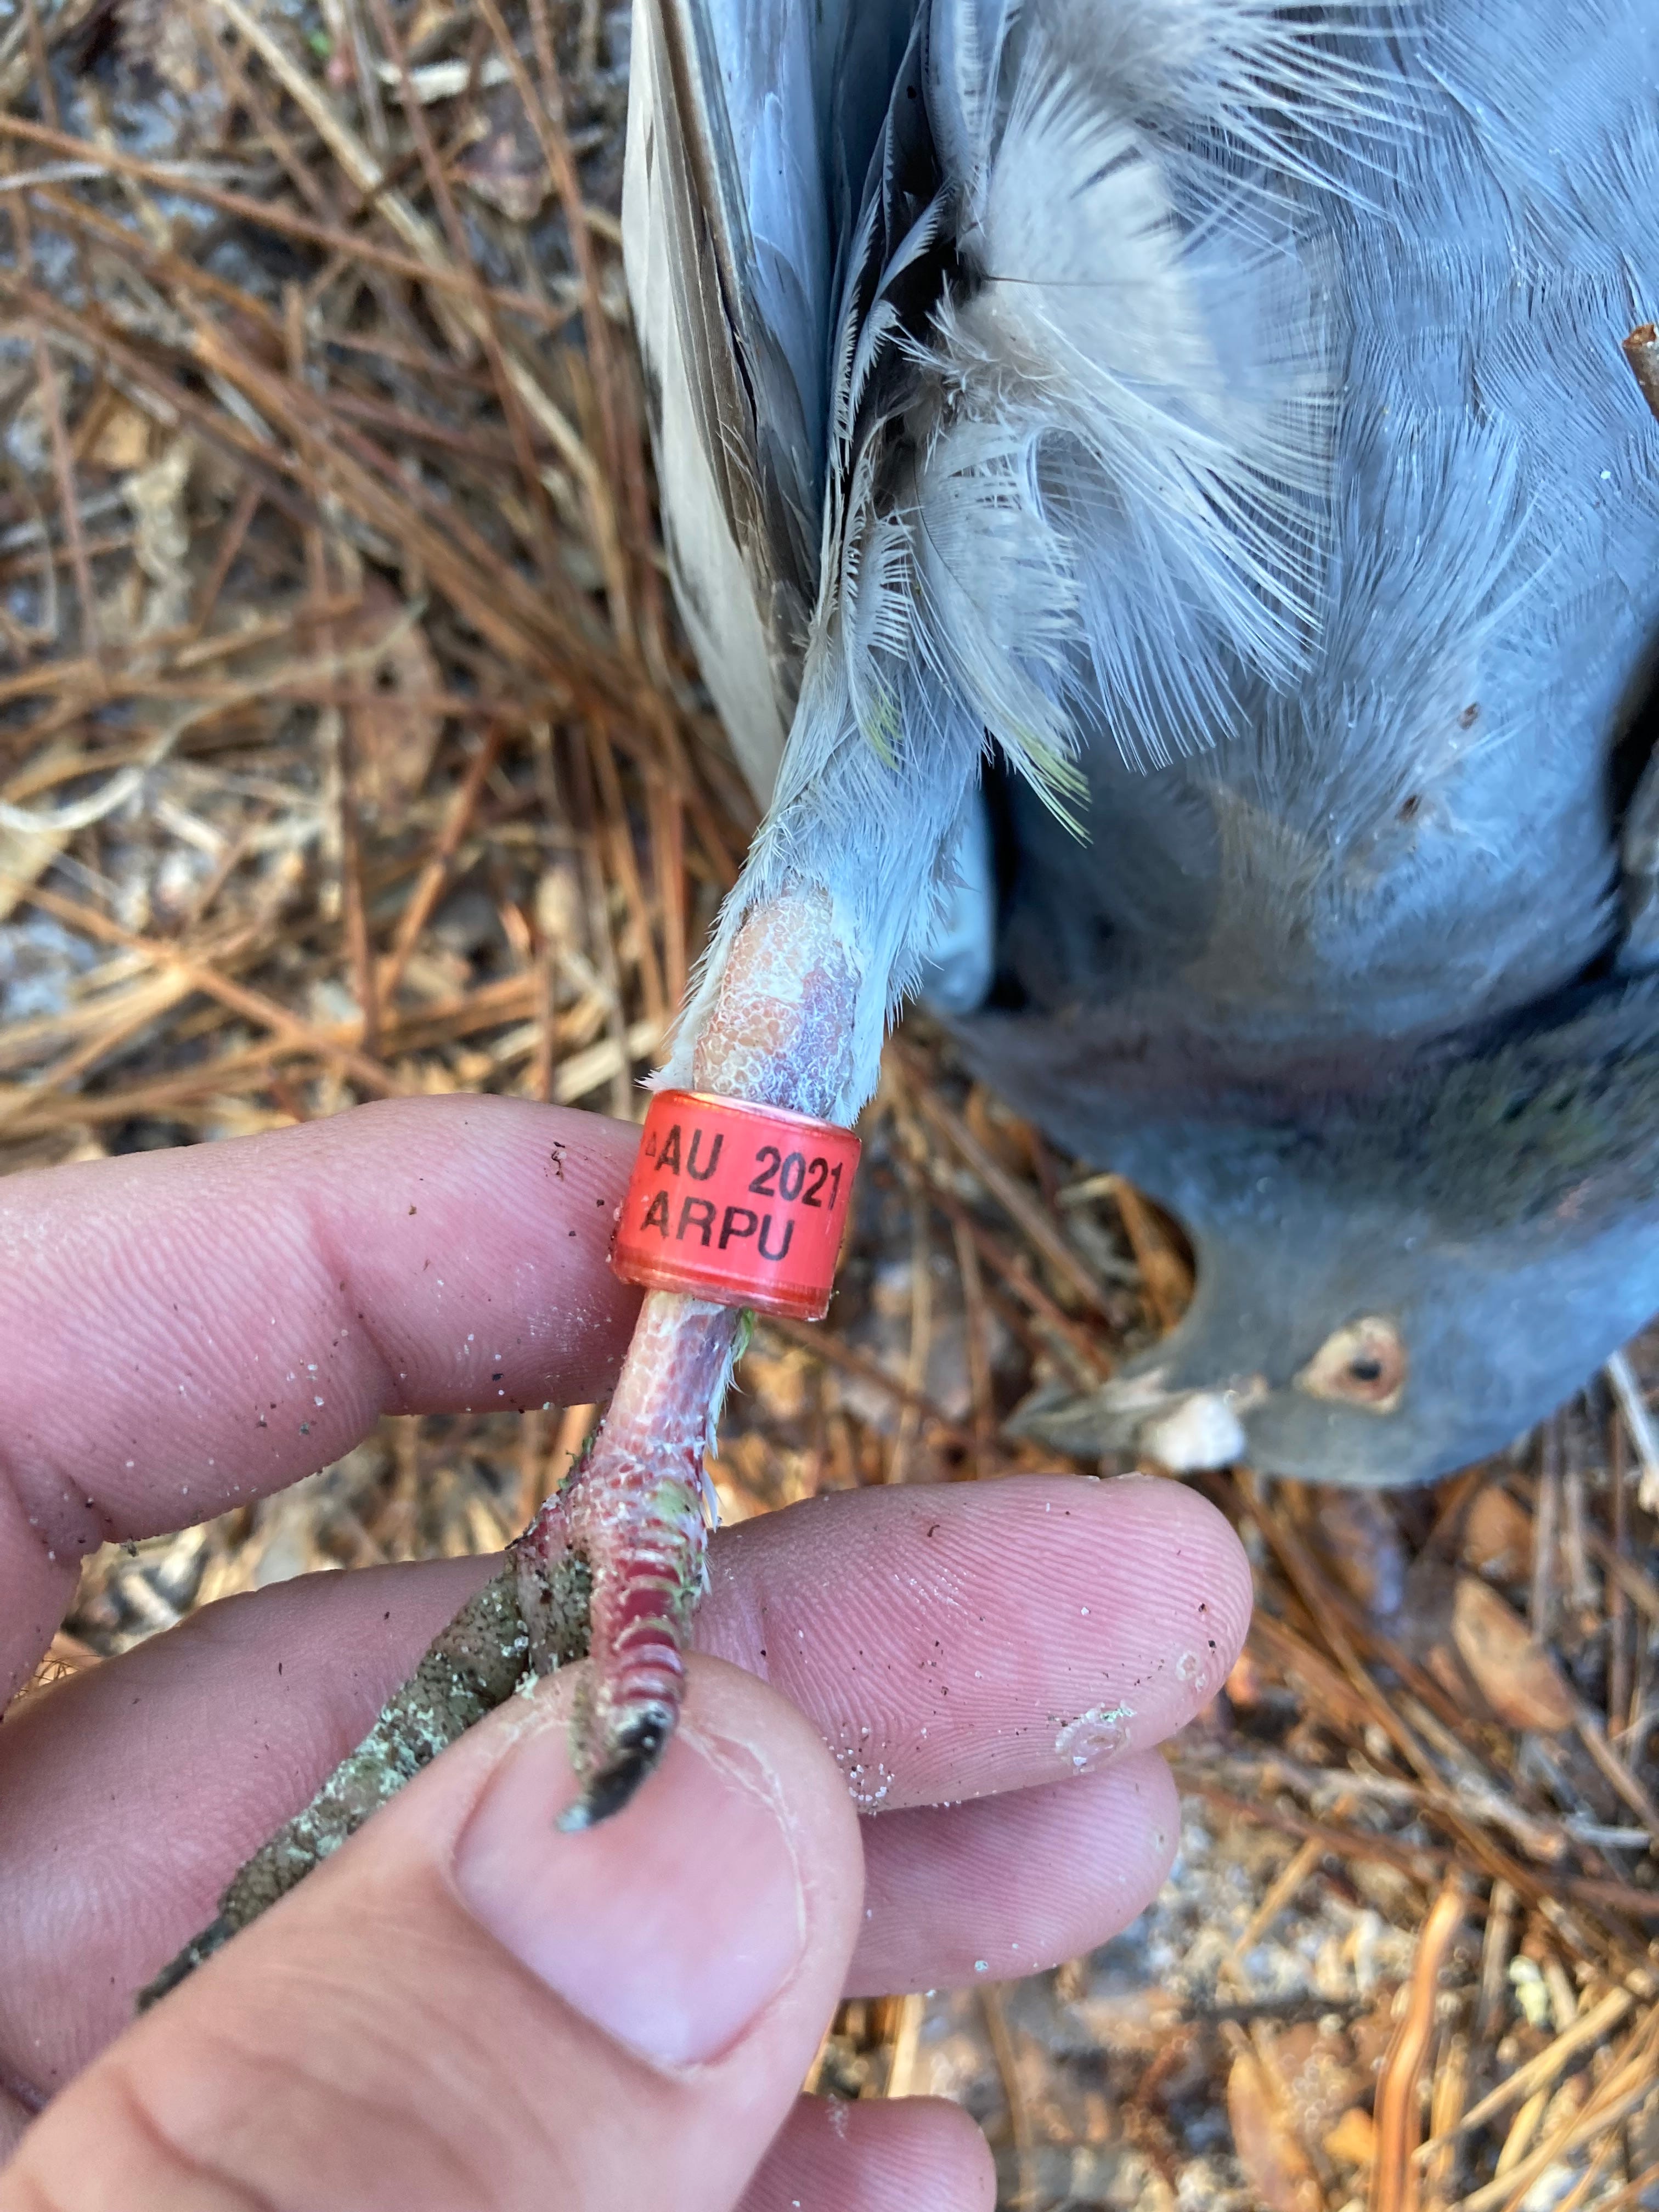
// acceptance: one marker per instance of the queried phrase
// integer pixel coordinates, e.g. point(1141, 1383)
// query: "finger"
point(465, 2006)
point(191, 1329)
point(989, 1638)
point(129, 1794)
point(1011, 1885)
point(914, 2155)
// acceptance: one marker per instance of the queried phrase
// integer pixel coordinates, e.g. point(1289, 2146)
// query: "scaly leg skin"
point(636, 1508)
point(469, 1667)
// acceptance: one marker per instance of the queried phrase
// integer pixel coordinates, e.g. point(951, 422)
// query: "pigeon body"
point(1342, 987)
point(1221, 429)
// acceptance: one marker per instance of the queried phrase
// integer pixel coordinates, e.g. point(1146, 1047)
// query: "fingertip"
point(686, 1919)
point(904, 2154)
point(1192, 1542)
point(986, 1637)
point(257, 1304)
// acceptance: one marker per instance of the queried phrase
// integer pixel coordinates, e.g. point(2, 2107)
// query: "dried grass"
point(347, 749)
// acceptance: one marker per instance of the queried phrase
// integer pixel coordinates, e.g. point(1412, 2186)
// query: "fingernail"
point(670, 1926)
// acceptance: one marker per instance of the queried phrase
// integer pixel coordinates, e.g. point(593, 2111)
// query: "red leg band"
point(741, 1203)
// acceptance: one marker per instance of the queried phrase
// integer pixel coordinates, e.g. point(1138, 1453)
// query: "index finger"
point(185, 1331)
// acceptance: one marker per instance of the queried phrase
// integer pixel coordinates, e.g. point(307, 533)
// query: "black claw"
point(638, 1748)
point(212, 1938)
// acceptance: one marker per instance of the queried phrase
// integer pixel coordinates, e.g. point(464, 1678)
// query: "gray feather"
point(729, 255)
point(1225, 431)
point(1074, 331)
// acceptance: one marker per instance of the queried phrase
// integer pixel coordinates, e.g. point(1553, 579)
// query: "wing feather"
point(741, 127)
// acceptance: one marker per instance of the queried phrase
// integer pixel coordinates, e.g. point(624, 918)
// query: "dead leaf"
point(561, 910)
point(1249, 1683)
point(505, 166)
point(430, 17)
point(1352, 2141)
point(393, 744)
point(1497, 1537)
point(1132, 2019)
point(1009, 1139)
point(1514, 1674)
point(123, 438)
point(155, 495)
point(1314, 2076)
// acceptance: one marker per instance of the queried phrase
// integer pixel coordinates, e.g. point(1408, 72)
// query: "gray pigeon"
point(1349, 983)
point(1208, 417)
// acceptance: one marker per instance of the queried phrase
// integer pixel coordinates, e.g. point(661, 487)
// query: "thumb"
point(466, 2007)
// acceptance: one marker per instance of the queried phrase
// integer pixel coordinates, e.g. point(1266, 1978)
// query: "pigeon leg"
point(777, 1032)
point(469, 1669)
point(635, 1507)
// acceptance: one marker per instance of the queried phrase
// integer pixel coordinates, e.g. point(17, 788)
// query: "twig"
point(1593, 1736)
point(1547, 1514)
point(69, 505)
point(978, 1348)
point(508, 389)
point(1024, 2136)
point(668, 850)
point(434, 874)
point(337, 742)
point(231, 540)
point(268, 216)
point(1447, 2097)
point(1322, 1603)
point(921, 1329)
point(626, 869)
point(1281, 1891)
point(1015, 1201)
point(1540, 2070)
point(1394, 2180)
point(1094, 1362)
point(850, 1361)
point(1633, 2191)
point(1642, 1434)
point(601, 943)
point(1423, 1866)
point(470, 1667)
point(252, 1005)
point(1617, 1603)
point(168, 267)
point(1168, 1282)
point(545, 116)
point(906, 2046)
point(1620, 2091)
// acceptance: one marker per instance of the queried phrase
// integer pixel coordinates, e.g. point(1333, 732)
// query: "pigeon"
point(1355, 986)
point(1155, 496)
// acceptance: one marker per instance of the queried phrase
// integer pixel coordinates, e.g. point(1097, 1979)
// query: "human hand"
point(464, 2008)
